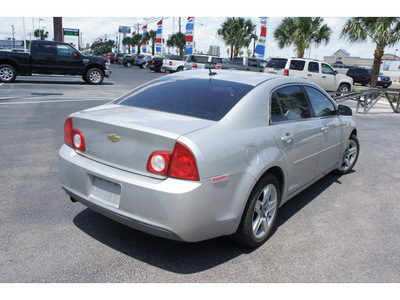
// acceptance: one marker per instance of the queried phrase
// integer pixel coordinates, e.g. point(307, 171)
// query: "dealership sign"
point(71, 31)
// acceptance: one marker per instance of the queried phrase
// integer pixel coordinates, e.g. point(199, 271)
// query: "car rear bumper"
point(176, 209)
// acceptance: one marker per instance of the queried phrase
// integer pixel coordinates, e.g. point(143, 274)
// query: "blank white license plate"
point(105, 191)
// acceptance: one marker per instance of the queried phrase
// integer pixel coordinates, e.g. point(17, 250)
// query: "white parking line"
point(1, 84)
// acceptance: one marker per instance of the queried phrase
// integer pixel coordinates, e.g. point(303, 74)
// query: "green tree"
point(103, 47)
point(42, 35)
point(178, 40)
point(152, 38)
point(137, 41)
point(127, 41)
point(383, 31)
point(302, 32)
point(237, 33)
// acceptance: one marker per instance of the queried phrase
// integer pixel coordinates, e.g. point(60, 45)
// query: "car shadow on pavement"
point(180, 257)
point(63, 81)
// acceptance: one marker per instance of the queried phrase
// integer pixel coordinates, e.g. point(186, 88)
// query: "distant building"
point(344, 57)
point(10, 44)
point(214, 50)
point(390, 57)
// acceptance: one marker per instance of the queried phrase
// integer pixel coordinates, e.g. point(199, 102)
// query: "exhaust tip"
point(73, 200)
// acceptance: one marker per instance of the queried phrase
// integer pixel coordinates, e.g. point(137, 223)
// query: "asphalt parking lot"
point(341, 229)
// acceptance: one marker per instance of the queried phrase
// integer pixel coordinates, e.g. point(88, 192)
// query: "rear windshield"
point(209, 99)
point(277, 63)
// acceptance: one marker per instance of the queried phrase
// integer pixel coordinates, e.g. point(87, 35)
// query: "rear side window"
point(252, 62)
point(44, 48)
point(297, 65)
point(200, 59)
point(313, 67)
point(293, 103)
point(237, 60)
point(209, 99)
point(277, 63)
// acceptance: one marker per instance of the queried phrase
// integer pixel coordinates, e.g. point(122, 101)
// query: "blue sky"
point(99, 20)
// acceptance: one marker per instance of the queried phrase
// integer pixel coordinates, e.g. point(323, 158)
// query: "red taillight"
point(68, 132)
point(218, 67)
point(183, 164)
point(170, 63)
point(73, 137)
point(179, 164)
point(194, 66)
point(286, 72)
point(152, 61)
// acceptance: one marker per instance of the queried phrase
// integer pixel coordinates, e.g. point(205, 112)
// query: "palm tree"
point(178, 40)
point(152, 37)
point(127, 41)
point(383, 31)
point(302, 32)
point(41, 34)
point(237, 33)
point(137, 40)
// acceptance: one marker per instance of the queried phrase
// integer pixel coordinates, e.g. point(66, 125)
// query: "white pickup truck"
point(175, 63)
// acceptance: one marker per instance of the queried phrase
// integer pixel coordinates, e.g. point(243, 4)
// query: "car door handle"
point(324, 77)
point(287, 138)
point(309, 75)
point(325, 129)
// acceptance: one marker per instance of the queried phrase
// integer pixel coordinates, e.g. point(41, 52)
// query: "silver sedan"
point(196, 155)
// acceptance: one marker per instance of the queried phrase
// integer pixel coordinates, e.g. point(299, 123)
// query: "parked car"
point(120, 57)
point(156, 63)
point(192, 155)
point(250, 63)
point(175, 63)
point(142, 60)
point(128, 60)
point(316, 71)
point(363, 76)
point(110, 56)
point(238, 63)
point(197, 61)
point(48, 57)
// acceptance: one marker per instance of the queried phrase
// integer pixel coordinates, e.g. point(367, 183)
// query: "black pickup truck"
point(47, 57)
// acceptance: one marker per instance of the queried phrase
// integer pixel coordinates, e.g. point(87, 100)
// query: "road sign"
point(124, 29)
point(70, 31)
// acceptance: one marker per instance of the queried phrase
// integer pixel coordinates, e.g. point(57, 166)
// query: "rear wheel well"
point(9, 62)
point(278, 173)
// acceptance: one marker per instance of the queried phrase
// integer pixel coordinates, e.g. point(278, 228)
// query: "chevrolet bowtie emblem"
point(113, 138)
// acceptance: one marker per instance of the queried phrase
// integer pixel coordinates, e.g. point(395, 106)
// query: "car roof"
point(245, 77)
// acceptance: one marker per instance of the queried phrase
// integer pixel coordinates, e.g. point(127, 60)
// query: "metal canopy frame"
point(368, 98)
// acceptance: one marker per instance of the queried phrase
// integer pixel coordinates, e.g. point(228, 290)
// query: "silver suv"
point(316, 71)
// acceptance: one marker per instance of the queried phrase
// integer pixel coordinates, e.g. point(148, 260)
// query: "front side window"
point(293, 103)
point(326, 69)
point(65, 50)
point(252, 62)
point(322, 106)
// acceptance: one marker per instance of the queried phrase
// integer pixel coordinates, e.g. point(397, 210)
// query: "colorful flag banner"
point(159, 37)
point(189, 35)
point(262, 40)
point(144, 42)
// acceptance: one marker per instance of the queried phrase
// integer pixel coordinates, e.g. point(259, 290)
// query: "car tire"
point(7, 73)
point(343, 88)
point(180, 69)
point(260, 213)
point(128, 64)
point(143, 66)
point(94, 76)
point(349, 156)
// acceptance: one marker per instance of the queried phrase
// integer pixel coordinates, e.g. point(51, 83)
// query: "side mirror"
point(335, 72)
point(344, 110)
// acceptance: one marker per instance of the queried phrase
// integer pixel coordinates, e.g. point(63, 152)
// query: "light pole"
point(40, 32)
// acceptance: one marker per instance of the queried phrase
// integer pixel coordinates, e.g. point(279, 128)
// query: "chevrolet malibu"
point(198, 154)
